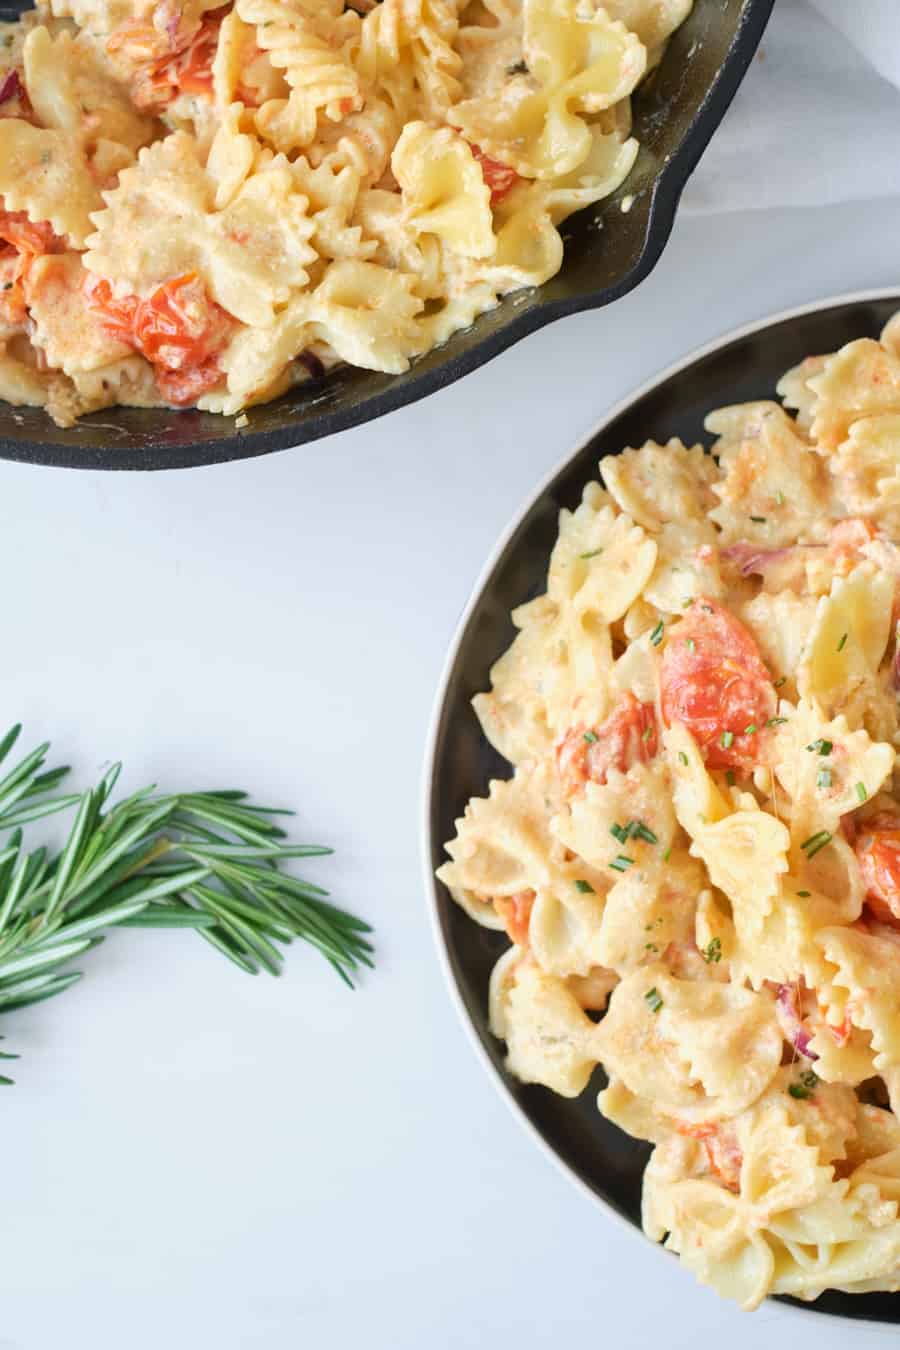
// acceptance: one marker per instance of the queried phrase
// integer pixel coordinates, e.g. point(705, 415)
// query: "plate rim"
point(427, 841)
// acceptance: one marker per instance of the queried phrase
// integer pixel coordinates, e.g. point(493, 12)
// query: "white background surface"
point(193, 1158)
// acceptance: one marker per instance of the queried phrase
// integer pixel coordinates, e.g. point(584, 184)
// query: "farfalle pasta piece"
point(866, 468)
point(161, 221)
point(826, 769)
point(581, 63)
point(45, 174)
point(600, 563)
point(503, 844)
point(865, 988)
point(647, 910)
point(781, 623)
point(444, 192)
point(590, 824)
point(564, 928)
point(861, 379)
point(368, 315)
point(847, 643)
point(66, 328)
point(773, 487)
point(549, 1038)
point(697, 1049)
point(687, 566)
point(794, 391)
point(659, 485)
point(70, 90)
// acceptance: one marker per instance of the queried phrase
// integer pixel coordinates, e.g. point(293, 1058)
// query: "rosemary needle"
point(212, 861)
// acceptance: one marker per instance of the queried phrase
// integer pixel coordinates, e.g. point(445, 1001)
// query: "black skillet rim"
point(664, 198)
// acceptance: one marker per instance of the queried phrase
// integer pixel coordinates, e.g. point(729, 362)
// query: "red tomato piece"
point(714, 682)
point(21, 241)
point(628, 736)
point(179, 328)
point(500, 178)
point(515, 911)
point(877, 850)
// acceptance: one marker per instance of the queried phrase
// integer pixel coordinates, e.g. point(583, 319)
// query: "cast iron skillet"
point(459, 762)
point(608, 252)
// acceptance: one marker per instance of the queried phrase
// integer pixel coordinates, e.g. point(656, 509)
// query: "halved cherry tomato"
point(500, 178)
point(877, 848)
point(179, 328)
point(628, 736)
point(515, 911)
point(23, 240)
point(185, 67)
point(714, 682)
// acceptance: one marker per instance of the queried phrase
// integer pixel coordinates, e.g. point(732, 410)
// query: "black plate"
point(608, 252)
point(460, 762)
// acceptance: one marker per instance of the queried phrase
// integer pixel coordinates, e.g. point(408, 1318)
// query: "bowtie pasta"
point(697, 856)
point(205, 204)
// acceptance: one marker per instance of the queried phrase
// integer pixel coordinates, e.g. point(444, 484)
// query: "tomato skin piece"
point(714, 682)
point(877, 849)
point(515, 911)
point(628, 736)
point(21, 241)
point(179, 328)
point(500, 178)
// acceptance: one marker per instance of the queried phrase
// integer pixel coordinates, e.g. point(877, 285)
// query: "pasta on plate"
point(697, 855)
point(205, 203)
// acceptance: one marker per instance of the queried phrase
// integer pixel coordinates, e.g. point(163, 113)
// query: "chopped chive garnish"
point(750, 729)
point(712, 952)
point(842, 643)
point(650, 947)
point(690, 644)
point(654, 999)
point(821, 747)
point(804, 1085)
point(618, 832)
point(730, 778)
point(621, 863)
point(657, 634)
point(642, 832)
point(682, 756)
point(779, 682)
point(592, 554)
point(727, 739)
point(590, 737)
point(758, 520)
point(776, 721)
point(668, 853)
point(646, 733)
point(707, 609)
point(687, 603)
point(804, 895)
point(824, 778)
point(815, 843)
point(585, 887)
point(779, 497)
point(861, 791)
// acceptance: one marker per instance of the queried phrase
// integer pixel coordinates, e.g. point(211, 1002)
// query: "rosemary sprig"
point(211, 861)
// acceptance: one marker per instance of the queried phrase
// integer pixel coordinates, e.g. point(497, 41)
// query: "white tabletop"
point(195, 1158)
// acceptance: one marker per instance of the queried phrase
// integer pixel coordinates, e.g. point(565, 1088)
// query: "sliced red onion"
point(10, 86)
point(750, 558)
point(788, 1013)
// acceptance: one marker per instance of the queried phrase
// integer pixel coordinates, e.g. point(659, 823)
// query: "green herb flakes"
point(654, 999)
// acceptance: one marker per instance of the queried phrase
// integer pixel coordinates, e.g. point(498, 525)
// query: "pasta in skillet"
point(697, 856)
point(204, 204)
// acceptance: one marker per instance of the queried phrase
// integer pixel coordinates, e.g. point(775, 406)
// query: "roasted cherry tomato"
point(877, 849)
point(179, 328)
point(23, 240)
point(628, 736)
point(499, 177)
point(714, 682)
point(515, 911)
